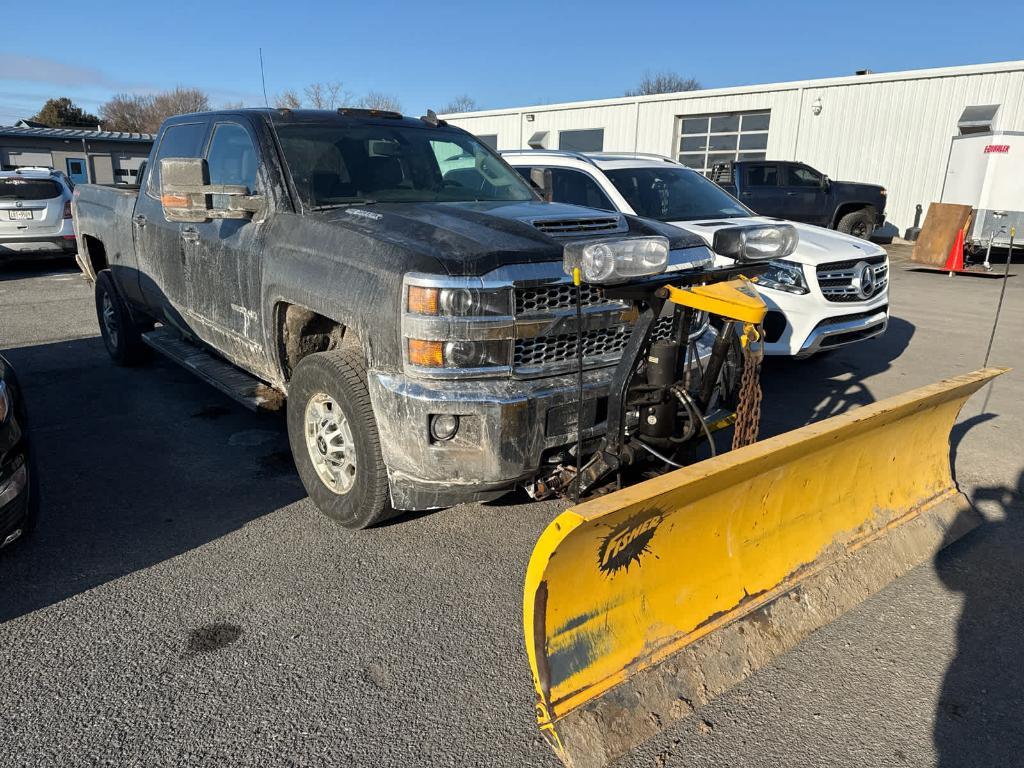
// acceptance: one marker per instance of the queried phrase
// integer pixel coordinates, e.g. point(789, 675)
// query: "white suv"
point(35, 212)
point(832, 291)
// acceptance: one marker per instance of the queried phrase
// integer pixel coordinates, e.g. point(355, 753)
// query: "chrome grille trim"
point(836, 279)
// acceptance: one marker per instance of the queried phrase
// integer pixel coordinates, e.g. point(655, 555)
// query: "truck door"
point(804, 195)
point(222, 256)
point(158, 245)
point(759, 188)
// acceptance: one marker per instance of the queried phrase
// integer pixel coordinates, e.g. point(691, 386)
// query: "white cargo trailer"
point(986, 172)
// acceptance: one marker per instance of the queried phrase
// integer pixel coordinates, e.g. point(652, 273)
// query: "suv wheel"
point(121, 334)
point(858, 223)
point(334, 439)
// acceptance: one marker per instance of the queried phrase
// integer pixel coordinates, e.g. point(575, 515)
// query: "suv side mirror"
point(540, 178)
point(185, 193)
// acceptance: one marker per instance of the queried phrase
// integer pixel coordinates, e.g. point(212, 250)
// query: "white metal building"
point(892, 129)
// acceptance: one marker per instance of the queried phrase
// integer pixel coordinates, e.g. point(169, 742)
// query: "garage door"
point(22, 158)
point(126, 169)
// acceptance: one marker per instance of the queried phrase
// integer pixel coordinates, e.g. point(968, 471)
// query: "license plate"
point(20, 214)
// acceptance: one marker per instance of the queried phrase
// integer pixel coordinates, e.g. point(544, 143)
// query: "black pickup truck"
point(389, 280)
point(797, 192)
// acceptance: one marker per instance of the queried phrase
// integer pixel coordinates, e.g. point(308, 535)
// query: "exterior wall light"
point(816, 106)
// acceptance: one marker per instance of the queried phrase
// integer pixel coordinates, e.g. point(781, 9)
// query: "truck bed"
point(103, 214)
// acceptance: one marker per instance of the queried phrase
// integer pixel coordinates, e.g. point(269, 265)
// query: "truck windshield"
point(334, 165)
point(674, 194)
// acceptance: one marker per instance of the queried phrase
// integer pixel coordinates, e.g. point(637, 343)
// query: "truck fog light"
point(443, 426)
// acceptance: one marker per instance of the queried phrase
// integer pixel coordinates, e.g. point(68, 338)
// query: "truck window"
point(179, 140)
point(231, 159)
point(802, 176)
point(762, 176)
point(339, 164)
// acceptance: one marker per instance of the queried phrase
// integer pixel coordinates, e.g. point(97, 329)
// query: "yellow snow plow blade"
point(650, 601)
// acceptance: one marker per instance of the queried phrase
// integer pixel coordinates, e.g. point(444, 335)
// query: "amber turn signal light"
point(423, 301)
point(428, 354)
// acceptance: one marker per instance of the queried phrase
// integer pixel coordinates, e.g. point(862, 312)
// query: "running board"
point(232, 381)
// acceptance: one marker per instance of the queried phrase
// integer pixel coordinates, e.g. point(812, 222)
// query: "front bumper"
point(506, 428)
point(14, 499)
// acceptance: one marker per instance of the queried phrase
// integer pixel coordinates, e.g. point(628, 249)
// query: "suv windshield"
point(16, 188)
point(344, 164)
point(674, 194)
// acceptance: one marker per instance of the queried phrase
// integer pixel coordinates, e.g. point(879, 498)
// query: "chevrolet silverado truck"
point(795, 191)
point(391, 282)
point(832, 290)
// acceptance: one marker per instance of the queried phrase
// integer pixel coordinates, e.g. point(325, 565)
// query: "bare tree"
point(382, 101)
point(288, 99)
point(127, 112)
point(663, 82)
point(463, 103)
point(326, 95)
point(233, 105)
point(180, 101)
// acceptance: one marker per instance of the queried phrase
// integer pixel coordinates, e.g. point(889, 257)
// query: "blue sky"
point(501, 54)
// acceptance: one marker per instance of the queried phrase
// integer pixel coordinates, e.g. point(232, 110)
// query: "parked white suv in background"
point(832, 291)
point(35, 213)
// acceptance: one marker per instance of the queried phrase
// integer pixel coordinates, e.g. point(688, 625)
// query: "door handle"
point(791, 194)
point(190, 234)
point(140, 220)
point(745, 194)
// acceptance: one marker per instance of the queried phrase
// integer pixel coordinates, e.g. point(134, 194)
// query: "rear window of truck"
point(29, 189)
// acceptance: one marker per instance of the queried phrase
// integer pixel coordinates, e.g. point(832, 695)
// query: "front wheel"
point(334, 439)
point(857, 223)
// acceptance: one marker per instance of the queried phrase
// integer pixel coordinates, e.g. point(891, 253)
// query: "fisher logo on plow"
point(628, 541)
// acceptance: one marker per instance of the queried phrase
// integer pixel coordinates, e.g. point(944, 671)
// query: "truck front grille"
point(547, 298)
point(837, 279)
point(542, 355)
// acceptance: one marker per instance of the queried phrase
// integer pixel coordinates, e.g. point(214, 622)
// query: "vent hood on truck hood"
point(474, 238)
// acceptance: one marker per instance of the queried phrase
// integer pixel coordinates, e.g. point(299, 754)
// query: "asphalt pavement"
point(183, 603)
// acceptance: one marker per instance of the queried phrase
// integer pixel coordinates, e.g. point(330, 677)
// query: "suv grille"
point(837, 279)
point(574, 227)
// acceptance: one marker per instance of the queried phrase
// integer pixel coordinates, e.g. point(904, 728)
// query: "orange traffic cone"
point(955, 260)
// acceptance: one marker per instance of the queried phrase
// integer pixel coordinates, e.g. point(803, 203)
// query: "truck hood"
point(475, 238)
point(817, 244)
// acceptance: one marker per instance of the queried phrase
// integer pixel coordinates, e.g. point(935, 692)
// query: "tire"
point(121, 334)
point(859, 223)
point(329, 411)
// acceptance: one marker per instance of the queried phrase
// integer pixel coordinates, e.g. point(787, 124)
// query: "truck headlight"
point(783, 276)
point(460, 353)
point(761, 242)
point(616, 260)
point(458, 301)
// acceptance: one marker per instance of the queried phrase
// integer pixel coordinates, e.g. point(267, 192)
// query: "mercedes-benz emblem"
point(864, 280)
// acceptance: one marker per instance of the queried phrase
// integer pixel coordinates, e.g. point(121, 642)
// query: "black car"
point(18, 496)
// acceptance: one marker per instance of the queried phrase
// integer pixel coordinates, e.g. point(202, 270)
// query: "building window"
point(588, 140)
point(708, 139)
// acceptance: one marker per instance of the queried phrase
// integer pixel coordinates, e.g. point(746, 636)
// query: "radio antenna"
point(263, 78)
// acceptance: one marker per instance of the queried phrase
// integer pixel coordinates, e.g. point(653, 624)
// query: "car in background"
point(795, 191)
point(19, 499)
point(830, 292)
point(35, 213)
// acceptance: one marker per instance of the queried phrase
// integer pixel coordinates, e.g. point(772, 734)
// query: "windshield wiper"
point(330, 206)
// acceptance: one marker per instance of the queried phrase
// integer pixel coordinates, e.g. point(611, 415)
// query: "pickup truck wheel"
point(334, 439)
point(120, 333)
point(857, 223)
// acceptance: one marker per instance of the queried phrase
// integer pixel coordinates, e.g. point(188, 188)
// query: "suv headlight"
point(616, 260)
point(760, 242)
point(785, 276)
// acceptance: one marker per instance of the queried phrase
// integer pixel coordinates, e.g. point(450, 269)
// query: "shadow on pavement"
point(798, 392)
point(978, 717)
point(21, 268)
point(136, 466)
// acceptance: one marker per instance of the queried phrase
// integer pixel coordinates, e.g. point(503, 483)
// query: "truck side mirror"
point(185, 193)
point(826, 183)
point(540, 178)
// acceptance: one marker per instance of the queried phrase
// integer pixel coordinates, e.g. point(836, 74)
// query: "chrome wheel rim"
point(330, 444)
point(109, 319)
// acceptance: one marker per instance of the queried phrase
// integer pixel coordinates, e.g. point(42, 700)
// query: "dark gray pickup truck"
point(391, 279)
